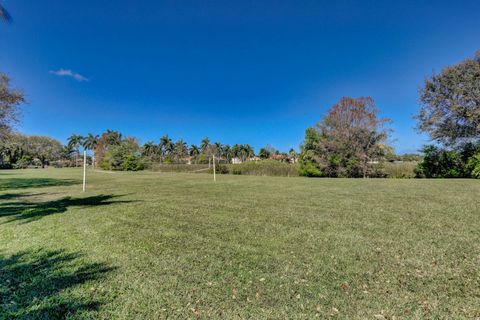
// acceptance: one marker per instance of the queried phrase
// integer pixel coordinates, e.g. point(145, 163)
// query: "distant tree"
point(293, 155)
point(180, 150)
point(4, 15)
point(264, 154)
point(217, 149)
point(345, 141)
point(205, 145)
point(113, 138)
point(10, 100)
point(227, 153)
point(166, 146)
point(450, 104)
point(149, 149)
point(90, 143)
point(44, 149)
point(75, 141)
point(194, 152)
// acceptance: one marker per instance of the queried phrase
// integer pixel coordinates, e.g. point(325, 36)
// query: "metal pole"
point(84, 169)
point(214, 177)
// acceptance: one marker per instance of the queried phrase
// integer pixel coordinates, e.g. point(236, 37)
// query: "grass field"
point(168, 245)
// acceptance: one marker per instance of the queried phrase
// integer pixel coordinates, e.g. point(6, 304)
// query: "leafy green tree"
point(347, 139)
point(10, 100)
point(450, 104)
point(75, 141)
point(45, 149)
point(264, 153)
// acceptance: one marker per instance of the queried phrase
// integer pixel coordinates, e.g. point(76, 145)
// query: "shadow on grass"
point(12, 196)
point(42, 285)
point(22, 183)
point(30, 211)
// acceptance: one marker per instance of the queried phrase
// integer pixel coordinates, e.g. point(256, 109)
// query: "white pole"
point(214, 177)
point(84, 169)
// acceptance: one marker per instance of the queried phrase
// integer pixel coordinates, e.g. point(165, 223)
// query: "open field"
point(169, 245)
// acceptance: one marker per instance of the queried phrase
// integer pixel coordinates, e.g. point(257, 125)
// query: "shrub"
point(400, 170)
point(474, 166)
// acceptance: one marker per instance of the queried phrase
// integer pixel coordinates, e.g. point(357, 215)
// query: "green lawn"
point(164, 245)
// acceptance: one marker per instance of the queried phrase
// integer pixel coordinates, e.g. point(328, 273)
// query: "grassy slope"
point(157, 245)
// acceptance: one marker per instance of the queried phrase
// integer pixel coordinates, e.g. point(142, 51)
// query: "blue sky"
point(255, 72)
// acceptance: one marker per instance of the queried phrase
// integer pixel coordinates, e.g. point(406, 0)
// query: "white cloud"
point(69, 73)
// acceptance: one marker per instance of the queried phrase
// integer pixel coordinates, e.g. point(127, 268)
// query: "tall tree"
point(180, 149)
point(347, 139)
point(194, 152)
point(205, 145)
point(44, 149)
point(149, 149)
point(75, 141)
point(450, 104)
point(10, 100)
point(166, 145)
point(90, 143)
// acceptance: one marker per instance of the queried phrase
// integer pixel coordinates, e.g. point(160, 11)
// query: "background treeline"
point(351, 140)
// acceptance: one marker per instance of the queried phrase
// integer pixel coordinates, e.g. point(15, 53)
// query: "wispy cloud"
point(69, 73)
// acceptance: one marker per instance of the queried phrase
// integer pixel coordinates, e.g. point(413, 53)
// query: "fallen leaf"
point(257, 295)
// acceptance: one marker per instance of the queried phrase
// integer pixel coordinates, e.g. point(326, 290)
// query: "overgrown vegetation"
point(348, 140)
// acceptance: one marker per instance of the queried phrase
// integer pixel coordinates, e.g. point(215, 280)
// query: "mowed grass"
point(167, 245)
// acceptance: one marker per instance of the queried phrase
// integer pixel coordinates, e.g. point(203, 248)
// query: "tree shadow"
point(12, 196)
point(22, 183)
point(30, 211)
point(44, 285)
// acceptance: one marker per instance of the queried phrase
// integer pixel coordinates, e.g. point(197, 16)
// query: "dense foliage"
point(10, 100)
point(450, 110)
point(346, 142)
point(444, 163)
point(21, 151)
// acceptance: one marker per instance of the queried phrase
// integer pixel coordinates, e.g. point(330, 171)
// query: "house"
point(236, 160)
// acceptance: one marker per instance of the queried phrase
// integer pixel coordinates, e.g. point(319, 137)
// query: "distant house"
point(254, 158)
point(236, 160)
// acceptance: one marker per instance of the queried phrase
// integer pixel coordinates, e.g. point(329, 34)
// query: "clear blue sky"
point(243, 71)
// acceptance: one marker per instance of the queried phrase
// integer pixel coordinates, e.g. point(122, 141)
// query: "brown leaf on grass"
point(257, 295)
point(344, 286)
point(234, 293)
point(379, 316)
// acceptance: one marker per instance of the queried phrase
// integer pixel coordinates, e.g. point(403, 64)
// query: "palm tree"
point(149, 149)
point(204, 145)
point(113, 138)
point(165, 145)
point(4, 15)
point(74, 142)
point(180, 149)
point(90, 143)
point(217, 146)
point(226, 153)
point(194, 152)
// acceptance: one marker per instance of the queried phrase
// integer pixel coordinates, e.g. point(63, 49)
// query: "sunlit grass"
point(175, 245)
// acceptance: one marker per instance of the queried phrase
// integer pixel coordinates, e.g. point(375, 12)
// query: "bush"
point(400, 170)
point(264, 168)
point(474, 166)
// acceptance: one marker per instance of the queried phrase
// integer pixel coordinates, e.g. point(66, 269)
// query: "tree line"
point(351, 140)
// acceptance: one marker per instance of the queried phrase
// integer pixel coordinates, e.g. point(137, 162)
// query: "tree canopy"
point(450, 104)
point(10, 100)
point(345, 141)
